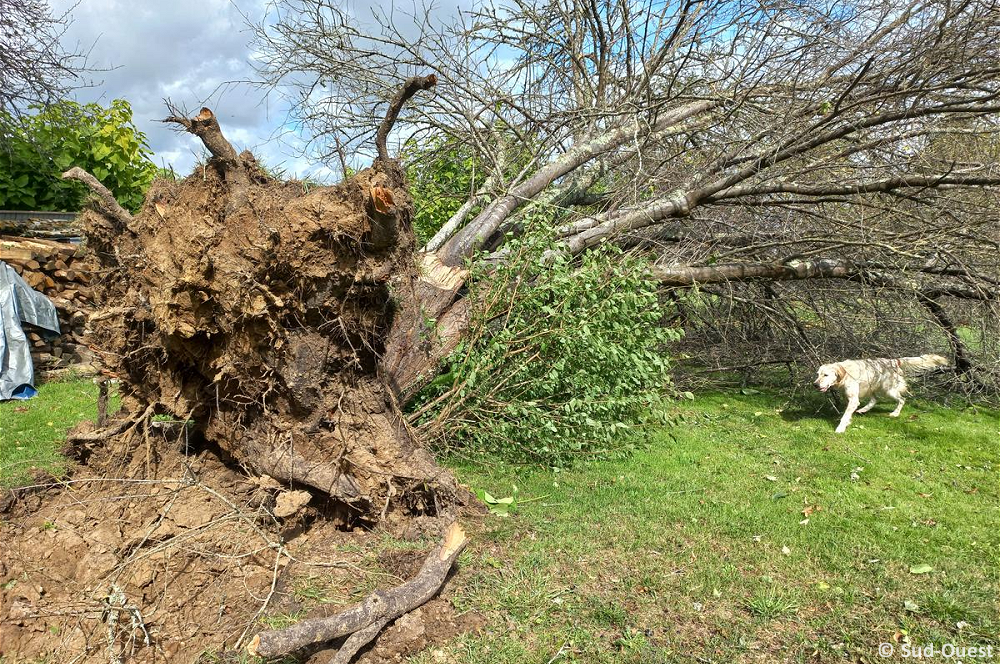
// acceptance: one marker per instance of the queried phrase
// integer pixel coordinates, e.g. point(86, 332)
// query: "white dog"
point(859, 379)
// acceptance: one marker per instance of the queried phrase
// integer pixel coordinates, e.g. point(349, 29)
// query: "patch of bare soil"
point(189, 562)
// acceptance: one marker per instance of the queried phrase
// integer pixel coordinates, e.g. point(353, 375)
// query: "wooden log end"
point(454, 540)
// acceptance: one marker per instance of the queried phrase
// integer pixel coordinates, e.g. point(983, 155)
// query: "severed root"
point(410, 87)
point(365, 620)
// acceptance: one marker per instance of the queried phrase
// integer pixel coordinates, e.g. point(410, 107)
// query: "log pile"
point(63, 273)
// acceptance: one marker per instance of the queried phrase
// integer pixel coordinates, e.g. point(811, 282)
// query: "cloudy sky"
point(190, 51)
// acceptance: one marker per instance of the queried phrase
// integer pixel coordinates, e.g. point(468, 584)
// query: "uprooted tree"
point(787, 156)
point(262, 312)
point(265, 318)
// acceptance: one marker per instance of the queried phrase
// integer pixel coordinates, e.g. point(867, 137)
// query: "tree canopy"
point(734, 141)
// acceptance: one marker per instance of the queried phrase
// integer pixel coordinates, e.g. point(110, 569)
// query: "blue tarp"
point(19, 303)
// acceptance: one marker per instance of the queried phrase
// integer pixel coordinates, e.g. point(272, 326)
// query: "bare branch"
point(410, 88)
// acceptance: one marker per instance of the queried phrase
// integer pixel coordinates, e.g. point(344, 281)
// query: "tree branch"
point(467, 240)
point(885, 185)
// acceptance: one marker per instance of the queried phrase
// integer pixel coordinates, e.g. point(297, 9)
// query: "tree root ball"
point(259, 311)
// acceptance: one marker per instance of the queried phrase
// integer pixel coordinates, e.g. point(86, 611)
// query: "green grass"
point(695, 549)
point(32, 431)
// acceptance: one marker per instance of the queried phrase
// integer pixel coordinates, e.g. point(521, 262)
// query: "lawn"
point(32, 431)
point(748, 532)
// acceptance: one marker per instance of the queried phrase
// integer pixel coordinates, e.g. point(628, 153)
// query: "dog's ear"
point(841, 374)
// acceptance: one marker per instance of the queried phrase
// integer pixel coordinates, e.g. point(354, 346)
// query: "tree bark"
point(428, 328)
point(815, 269)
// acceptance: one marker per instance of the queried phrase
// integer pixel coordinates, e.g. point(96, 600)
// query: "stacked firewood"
point(62, 273)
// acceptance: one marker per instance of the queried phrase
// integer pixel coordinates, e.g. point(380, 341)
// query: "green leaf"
point(921, 569)
point(63, 160)
point(496, 506)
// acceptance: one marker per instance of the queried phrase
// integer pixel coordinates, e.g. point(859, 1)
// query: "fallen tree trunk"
point(365, 620)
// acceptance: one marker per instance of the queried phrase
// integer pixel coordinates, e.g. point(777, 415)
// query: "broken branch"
point(364, 621)
point(410, 88)
point(206, 127)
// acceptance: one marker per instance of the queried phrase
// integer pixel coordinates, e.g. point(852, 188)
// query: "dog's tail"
point(923, 363)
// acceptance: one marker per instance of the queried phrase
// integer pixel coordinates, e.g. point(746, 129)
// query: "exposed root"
point(105, 199)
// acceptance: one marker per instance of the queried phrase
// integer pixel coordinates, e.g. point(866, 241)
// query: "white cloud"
point(195, 52)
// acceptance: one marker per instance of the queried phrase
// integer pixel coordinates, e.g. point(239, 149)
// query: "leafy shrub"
point(565, 359)
point(442, 176)
point(103, 141)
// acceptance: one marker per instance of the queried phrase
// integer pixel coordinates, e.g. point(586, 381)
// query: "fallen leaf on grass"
point(911, 606)
point(770, 478)
point(921, 569)
point(496, 506)
point(786, 551)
